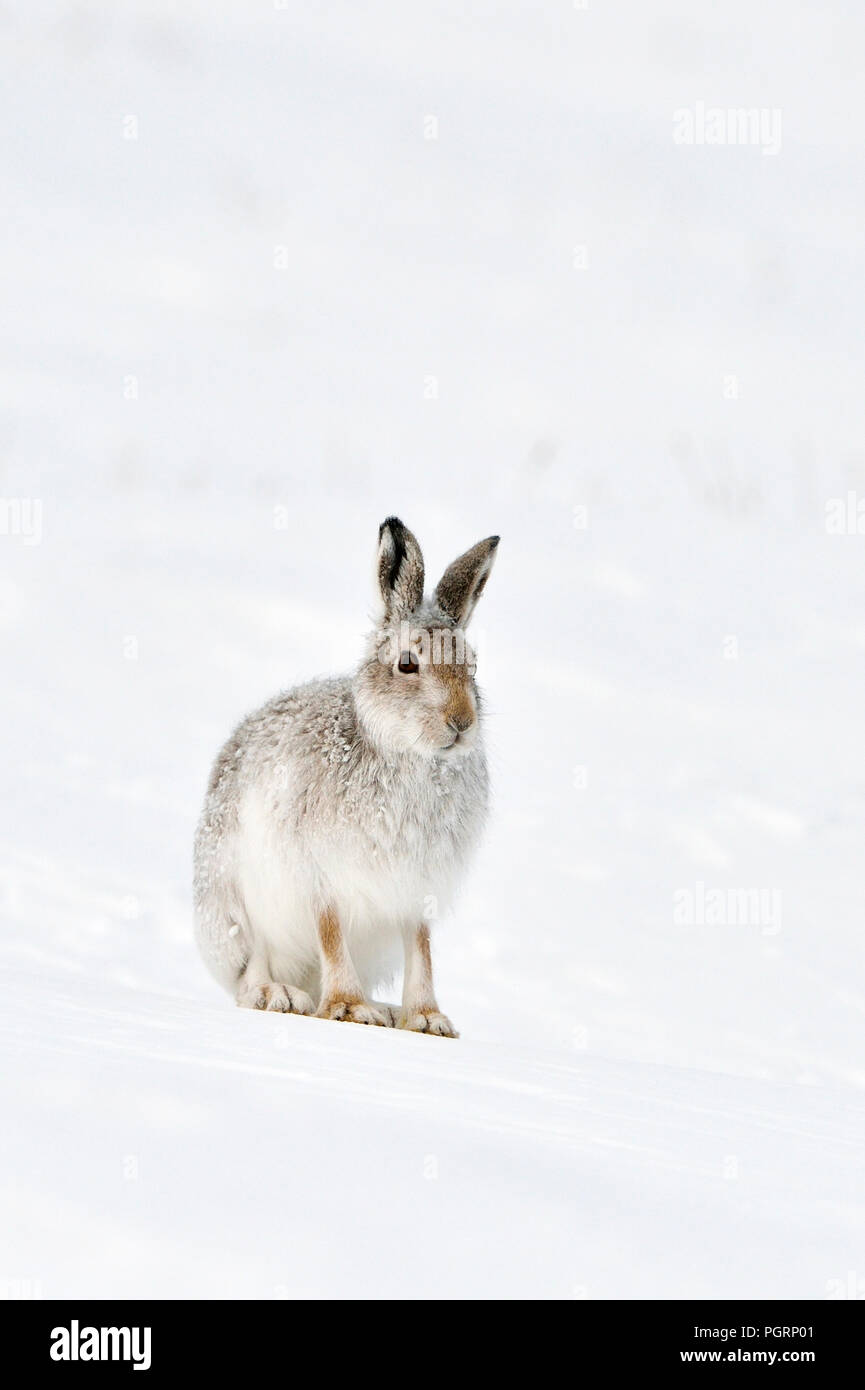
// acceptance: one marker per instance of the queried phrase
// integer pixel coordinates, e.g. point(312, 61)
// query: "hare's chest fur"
point(326, 822)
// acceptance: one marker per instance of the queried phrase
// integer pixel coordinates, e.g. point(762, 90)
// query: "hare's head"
point(415, 689)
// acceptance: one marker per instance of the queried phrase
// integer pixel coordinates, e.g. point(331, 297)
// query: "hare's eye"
point(408, 664)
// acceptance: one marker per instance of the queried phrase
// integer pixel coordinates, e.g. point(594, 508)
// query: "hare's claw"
point(430, 1021)
point(389, 1013)
point(283, 999)
point(351, 1011)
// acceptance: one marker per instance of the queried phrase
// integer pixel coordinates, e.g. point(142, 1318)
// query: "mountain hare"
point(342, 815)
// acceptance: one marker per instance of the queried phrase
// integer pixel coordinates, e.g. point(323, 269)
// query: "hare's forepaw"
point(389, 1013)
point(282, 999)
point(351, 1011)
point(428, 1021)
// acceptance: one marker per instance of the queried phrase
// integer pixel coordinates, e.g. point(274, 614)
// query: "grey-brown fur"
point(355, 801)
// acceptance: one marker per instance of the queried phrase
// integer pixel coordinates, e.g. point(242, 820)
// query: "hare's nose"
point(460, 722)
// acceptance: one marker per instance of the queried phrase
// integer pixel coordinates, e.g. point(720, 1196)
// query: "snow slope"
point(231, 346)
point(166, 1146)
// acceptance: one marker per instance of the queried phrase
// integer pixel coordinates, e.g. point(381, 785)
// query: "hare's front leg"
point(420, 1012)
point(341, 993)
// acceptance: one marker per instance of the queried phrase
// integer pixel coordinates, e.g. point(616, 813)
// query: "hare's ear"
point(463, 582)
point(399, 567)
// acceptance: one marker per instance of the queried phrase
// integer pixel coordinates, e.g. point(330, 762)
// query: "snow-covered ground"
point(249, 310)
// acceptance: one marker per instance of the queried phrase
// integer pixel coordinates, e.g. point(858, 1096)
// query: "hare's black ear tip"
point(492, 541)
point(390, 523)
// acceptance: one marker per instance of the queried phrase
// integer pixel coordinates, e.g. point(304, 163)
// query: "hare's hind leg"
point(256, 989)
point(283, 999)
point(341, 991)
point(237, 959)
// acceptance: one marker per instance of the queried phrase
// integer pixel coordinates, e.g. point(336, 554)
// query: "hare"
point(342, 815)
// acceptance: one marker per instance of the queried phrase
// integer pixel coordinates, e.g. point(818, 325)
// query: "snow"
point(638, 1105)
point(164, 1145)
